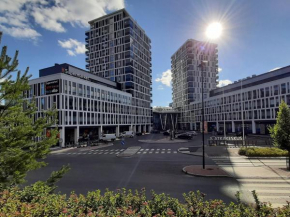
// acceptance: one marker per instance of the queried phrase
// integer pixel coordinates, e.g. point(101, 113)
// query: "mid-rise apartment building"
point(187, 76)
point(252, 102)
point(86, 103)
point(119, 50)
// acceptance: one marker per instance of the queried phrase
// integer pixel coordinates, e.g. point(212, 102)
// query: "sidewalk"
point(61, 150)
point(239, 167)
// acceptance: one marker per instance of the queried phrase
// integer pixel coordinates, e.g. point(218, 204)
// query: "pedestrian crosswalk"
point(157, 151)
point(118, 151)
point(254, 174)
point(225, 161)
point(275, 191)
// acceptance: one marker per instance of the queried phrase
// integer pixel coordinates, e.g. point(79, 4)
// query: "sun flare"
point(214, 30)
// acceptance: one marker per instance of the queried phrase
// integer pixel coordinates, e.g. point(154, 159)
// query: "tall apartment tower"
point(119, 50)
point(186, 76)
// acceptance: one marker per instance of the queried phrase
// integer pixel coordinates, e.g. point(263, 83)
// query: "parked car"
point(130, 134)
point(155, 131)
point(192, 133)
point(138, 134)
point(108, 137)
point(221, 132)
point(240, 133)
point(184, 136)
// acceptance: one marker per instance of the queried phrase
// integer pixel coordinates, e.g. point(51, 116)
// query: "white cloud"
point(275, 69)
point(166, 78)
point(220, 69)
point(73, 46)
point(53, 14)
point(224, 83)
point(20, 32)
point(71, 53)
point(160, 87)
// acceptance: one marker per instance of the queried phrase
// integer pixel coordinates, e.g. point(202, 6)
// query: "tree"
point(23, 143)
point(280, 132)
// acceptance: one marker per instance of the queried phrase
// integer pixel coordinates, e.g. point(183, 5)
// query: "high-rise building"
point(119, 50)
point(187, 77)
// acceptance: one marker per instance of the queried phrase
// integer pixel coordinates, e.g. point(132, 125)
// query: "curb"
point(199, 175)
point(265, 158)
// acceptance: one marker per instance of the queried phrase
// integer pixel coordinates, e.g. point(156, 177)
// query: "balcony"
point(87, 52)
point(87, 60)
point(87, 39)
point(87, 66)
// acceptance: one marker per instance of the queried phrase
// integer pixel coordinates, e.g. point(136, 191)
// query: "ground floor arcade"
point(251, 127)
point(69, 135)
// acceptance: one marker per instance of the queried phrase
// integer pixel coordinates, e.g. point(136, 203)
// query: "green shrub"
point(242, 151)
point(263, 152)
point(37, 201)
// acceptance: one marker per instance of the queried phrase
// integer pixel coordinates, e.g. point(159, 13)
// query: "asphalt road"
point(161, 172)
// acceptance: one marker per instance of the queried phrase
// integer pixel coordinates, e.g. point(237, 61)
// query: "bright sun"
point(214, 30)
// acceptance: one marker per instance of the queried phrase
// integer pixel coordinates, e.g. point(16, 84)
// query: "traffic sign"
point(122, 142)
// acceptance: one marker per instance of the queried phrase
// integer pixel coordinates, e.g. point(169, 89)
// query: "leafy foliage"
point(36, 200)
point(23, 142)
point(263, 152)
point(281, 130)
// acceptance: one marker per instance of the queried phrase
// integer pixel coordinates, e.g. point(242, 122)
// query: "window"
point(74, 88)
point(262, 92)
point(272, 102)
point(283, 88)
point(276, 89)
point(42, 92)
point(267, 91)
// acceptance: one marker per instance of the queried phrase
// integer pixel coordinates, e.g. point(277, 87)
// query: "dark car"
point(155, 131)
point(184, 136)
point(166, 133)
point(240, 133)
point(138, 134)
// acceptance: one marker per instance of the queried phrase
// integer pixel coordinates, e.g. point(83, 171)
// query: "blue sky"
point(256, 35)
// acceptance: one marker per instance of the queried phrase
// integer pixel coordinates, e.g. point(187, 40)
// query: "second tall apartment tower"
point(119, 50)
point(187, 76)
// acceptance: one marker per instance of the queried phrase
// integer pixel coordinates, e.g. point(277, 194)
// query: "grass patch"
point(263, 152)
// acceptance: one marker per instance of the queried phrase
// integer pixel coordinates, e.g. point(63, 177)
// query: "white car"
point(108, 137)
point(130, 134)
point(193, 133)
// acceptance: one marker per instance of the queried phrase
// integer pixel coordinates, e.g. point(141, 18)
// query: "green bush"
point(37, 201)
point(263, 152)
point(242, 151)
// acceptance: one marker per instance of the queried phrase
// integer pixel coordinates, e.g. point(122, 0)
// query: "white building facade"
point(253, 101)
point(187, 76)
point(119, 50)
point(86, 103)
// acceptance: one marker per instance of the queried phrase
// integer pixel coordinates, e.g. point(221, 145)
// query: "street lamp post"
point(242, 113)
point(202, 113)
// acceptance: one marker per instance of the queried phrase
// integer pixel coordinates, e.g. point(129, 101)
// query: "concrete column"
point(150, 128)
point(76, 134)
point(131, 128)
point(253, 127)
point(233, 127)
point(118, 131)
point(191, 127)
point(134, 128)
point(62, 137)
point(217, 126)
point(139, 128)
point(194, 124)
